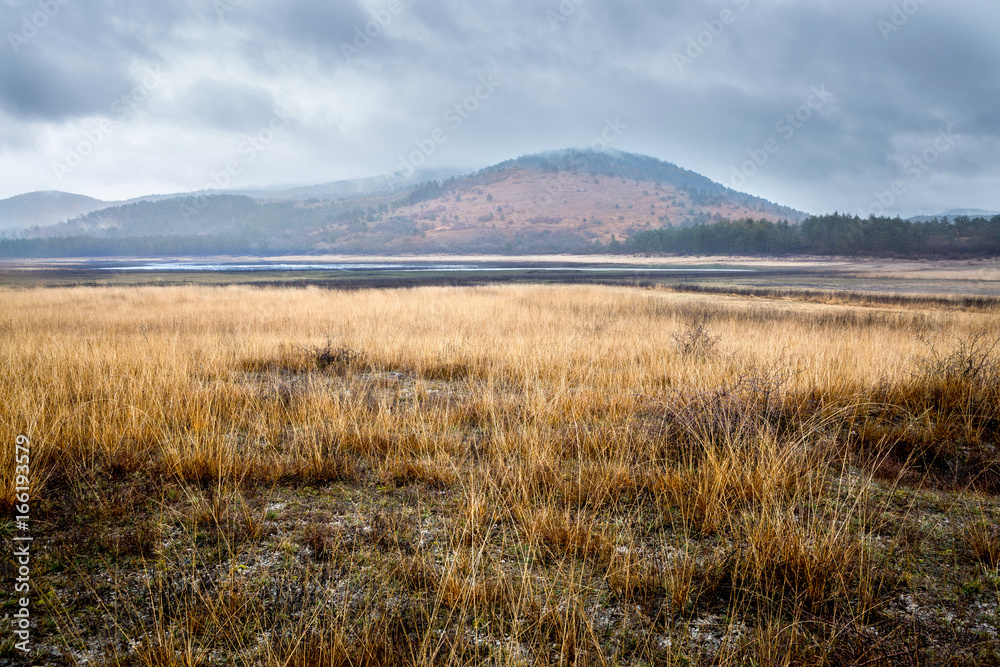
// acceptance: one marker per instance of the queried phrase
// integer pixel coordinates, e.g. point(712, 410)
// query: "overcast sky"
point(117, 99)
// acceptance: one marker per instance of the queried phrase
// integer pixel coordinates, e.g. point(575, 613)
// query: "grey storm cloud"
point(65, 58)
point(703, 83)
point(228, 105)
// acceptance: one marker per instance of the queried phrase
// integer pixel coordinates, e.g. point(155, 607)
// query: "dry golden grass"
point(506, 475)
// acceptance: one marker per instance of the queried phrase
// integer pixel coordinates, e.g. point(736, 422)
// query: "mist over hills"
point(383, 184)
point(612, 163)
point(956, 213)
point(44, 208)
point(568, 200)
point(49, 208)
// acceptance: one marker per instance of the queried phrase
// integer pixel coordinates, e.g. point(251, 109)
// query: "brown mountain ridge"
point(559, 199)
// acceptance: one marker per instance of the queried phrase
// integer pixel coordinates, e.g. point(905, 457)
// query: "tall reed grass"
point(587, 474)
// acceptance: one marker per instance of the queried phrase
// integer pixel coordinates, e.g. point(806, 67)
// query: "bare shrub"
point(695, 340)
point(754, 400)
point(969, 359)
point(337, 358)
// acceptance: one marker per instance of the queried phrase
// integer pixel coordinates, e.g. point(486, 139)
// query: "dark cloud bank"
point(820, 105)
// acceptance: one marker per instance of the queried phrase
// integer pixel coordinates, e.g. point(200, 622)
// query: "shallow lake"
point(429, 267)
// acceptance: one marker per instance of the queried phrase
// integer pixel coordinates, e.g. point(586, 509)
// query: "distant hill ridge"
point(44, 208)
point(621, 164)
point(611, 162)
point(565, 200)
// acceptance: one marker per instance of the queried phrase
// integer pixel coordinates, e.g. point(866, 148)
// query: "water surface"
point(430, 267)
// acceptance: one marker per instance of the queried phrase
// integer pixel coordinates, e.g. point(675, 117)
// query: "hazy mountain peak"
point(567, 199)
point(47, 207)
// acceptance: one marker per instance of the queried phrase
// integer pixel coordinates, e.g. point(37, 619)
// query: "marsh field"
point(517, 474)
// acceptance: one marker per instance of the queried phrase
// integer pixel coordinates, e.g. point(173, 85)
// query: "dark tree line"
point(232, 225)
point(834, 234)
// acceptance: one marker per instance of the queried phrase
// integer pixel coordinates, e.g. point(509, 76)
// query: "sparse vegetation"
point(504, 475)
